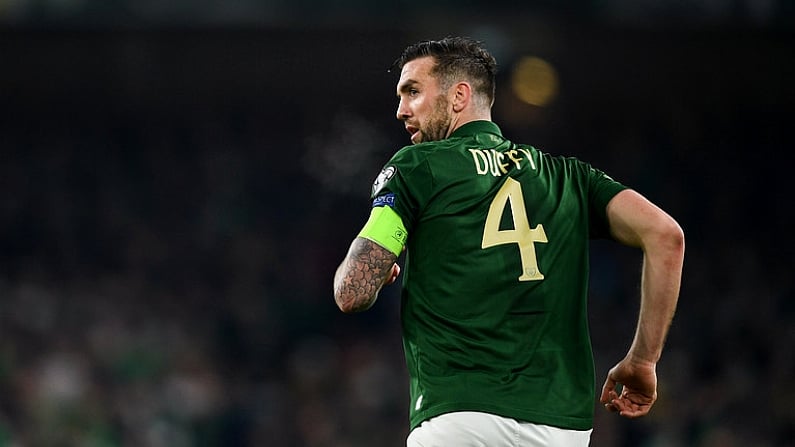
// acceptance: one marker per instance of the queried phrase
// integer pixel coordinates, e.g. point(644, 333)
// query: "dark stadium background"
point(178, 181)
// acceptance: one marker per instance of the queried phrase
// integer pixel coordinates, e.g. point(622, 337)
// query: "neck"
point(459, 119)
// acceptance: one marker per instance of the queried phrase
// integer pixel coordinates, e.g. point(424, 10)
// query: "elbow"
point(342, 304)
point(350, 303)
point(342, 295)
point(676, 238)
point(345, 306)
point(670, 239)
point(346, 309)
point(351, 308)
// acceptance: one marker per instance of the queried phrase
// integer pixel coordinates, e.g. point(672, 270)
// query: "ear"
point(462, 95)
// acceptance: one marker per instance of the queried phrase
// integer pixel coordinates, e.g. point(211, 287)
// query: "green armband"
point(385, 228)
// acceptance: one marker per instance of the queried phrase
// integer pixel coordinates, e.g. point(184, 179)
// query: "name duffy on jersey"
point(490, 161)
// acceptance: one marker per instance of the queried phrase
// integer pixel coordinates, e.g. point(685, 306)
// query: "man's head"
point(444, 84)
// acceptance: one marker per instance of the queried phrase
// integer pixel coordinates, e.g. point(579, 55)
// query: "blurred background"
point(179, 181)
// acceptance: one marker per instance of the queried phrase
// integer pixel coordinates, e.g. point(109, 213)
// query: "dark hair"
point(456, 58)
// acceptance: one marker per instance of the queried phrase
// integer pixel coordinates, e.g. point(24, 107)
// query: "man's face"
point(423, 108)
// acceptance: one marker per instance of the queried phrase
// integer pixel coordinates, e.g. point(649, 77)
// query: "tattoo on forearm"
point(362, 274)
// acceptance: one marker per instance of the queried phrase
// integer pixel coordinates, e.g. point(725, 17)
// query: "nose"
point(403, 112)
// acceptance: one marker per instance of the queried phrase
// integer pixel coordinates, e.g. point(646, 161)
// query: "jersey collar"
point(475, 127)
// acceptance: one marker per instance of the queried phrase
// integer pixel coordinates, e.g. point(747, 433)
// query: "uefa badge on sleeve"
point(386, 174)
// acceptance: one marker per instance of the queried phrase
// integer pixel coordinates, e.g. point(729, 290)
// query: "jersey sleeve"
point(404, 184)
point(602, 188)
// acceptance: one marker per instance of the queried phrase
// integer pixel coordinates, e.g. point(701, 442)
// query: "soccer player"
point(493, 304)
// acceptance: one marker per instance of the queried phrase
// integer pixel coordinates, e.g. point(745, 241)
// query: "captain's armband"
point(385, 228)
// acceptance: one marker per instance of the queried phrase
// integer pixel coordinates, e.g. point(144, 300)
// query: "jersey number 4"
point(522, 235)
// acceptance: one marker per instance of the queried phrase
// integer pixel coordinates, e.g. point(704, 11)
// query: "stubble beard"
point(438, 122)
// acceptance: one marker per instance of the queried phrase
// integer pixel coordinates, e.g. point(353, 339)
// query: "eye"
point(413, 92)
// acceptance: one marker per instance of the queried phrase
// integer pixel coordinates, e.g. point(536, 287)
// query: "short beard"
point(439, 122)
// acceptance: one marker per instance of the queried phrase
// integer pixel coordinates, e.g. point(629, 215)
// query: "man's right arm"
point(637, 222)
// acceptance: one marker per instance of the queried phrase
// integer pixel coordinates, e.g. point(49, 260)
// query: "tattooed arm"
point(366, 268)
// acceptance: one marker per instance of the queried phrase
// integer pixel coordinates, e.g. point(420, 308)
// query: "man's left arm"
point(366, 268)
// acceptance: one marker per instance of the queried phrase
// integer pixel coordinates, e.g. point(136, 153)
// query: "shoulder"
point(422, 155)
point(567, 162)
point(422, 151)
point(416, 165)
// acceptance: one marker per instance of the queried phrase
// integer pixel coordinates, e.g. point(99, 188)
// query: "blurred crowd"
point(166, 282)
point(166, 275)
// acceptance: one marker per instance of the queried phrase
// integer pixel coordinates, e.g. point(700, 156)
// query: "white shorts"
point(475, 429)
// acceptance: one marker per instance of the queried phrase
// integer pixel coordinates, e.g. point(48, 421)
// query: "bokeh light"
point(534, 81)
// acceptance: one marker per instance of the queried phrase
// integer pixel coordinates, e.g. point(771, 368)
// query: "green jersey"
point(493, 305)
